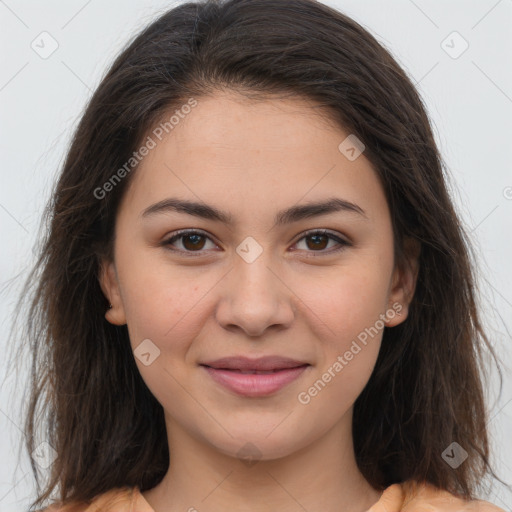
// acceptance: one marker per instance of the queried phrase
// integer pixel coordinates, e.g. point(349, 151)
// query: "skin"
point(297, 299)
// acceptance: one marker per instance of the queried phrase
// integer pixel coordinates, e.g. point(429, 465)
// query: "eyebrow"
point(287, 216)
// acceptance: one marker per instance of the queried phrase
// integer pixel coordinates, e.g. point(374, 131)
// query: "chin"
point(254, 445)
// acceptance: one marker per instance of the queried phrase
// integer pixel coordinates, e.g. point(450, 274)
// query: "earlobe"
point(110, 286)
point(404, 283)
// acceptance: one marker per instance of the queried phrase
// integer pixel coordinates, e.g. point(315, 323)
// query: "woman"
point(255, 292)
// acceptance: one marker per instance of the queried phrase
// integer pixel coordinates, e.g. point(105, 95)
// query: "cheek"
point(347, 300)
point(161, 303)
point(346, 308)
point(163, 318)
point(347, 354)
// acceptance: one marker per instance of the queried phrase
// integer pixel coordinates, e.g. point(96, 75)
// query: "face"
point(193, 287)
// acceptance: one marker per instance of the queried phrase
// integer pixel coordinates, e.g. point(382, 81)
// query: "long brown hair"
point(426, 390)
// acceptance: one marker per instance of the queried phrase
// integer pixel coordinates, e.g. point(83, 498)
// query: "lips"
point(266, 364)
point(255, 377)
point(251, 372)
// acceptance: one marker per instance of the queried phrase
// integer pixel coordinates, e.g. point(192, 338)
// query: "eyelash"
point(180, 234)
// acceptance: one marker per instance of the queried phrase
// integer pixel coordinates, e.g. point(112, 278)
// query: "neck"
point(322, 475)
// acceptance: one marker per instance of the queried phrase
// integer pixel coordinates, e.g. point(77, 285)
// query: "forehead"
point(231, 120)
point(253, 155)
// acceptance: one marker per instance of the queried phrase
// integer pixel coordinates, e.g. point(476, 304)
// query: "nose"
point(255, 297)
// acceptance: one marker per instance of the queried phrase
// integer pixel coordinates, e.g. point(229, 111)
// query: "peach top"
point(406, 497)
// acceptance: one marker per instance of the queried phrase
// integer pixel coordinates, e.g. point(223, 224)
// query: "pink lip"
point(255, 385)
point(260, 363)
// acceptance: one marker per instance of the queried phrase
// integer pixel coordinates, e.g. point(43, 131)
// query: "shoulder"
point(421, 497)
point(118, 499)
point(424, 497)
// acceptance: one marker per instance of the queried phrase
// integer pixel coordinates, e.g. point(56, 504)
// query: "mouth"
point(251, 372)
point(252, 382)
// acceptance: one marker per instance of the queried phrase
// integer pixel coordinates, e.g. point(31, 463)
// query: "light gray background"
point(469, 99)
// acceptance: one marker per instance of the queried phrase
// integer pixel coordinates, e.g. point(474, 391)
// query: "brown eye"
point(191, 241)
point(317, 241)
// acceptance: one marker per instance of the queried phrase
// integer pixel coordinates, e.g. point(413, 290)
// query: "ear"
point(110, 285)
point(403, 283)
